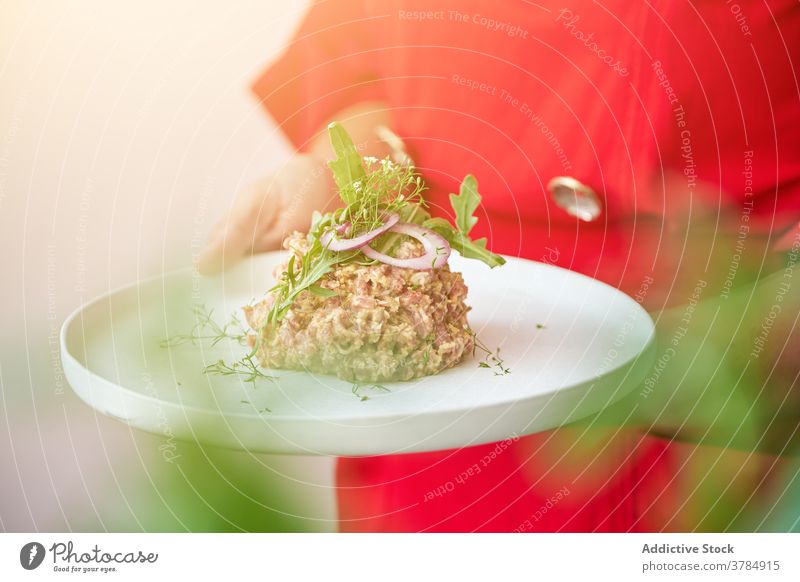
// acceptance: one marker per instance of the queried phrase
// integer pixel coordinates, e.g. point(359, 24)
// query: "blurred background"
point(125, 130)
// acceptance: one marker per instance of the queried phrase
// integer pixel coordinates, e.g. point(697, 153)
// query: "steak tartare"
point(375, 323)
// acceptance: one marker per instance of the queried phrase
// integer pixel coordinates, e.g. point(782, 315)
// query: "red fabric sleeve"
point(735, 70)
point(330, 65)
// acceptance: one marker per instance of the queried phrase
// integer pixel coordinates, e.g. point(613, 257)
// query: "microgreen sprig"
point(207, 329)
point(246, 368)
point(357, 388)
point(492, 359)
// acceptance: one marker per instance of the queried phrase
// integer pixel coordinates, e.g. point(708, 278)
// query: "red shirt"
point(623, 97)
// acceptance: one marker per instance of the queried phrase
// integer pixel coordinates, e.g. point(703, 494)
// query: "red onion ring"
point(437, 249)
point(329, 240)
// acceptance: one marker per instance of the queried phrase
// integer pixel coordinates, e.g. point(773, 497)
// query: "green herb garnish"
point(491, 359)
point(372, 189)
point(357, 388)
point(370, 194)
point(464, 206)
point(206, 329)
point(246, 368)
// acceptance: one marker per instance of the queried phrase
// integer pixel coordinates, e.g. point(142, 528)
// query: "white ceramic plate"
point(573, 344)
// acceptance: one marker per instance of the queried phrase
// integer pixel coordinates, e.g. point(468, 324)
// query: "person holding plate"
point(650, 147)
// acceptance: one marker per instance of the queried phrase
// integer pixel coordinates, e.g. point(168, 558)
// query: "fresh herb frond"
point(207, 329)
point(357, 388)
point(246, 368)
point(492, 359)
point(387, 188)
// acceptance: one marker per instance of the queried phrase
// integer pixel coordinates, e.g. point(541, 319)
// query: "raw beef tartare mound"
point(374, 323)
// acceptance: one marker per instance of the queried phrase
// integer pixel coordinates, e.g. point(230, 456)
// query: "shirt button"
point(575, 198)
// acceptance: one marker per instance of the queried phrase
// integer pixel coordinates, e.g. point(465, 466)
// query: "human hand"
point(268, 210)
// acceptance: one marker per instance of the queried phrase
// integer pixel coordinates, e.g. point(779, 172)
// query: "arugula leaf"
point(347, 168)
point(321, 291)
point(465, 204)
point(466, 247)
point(323, 262)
